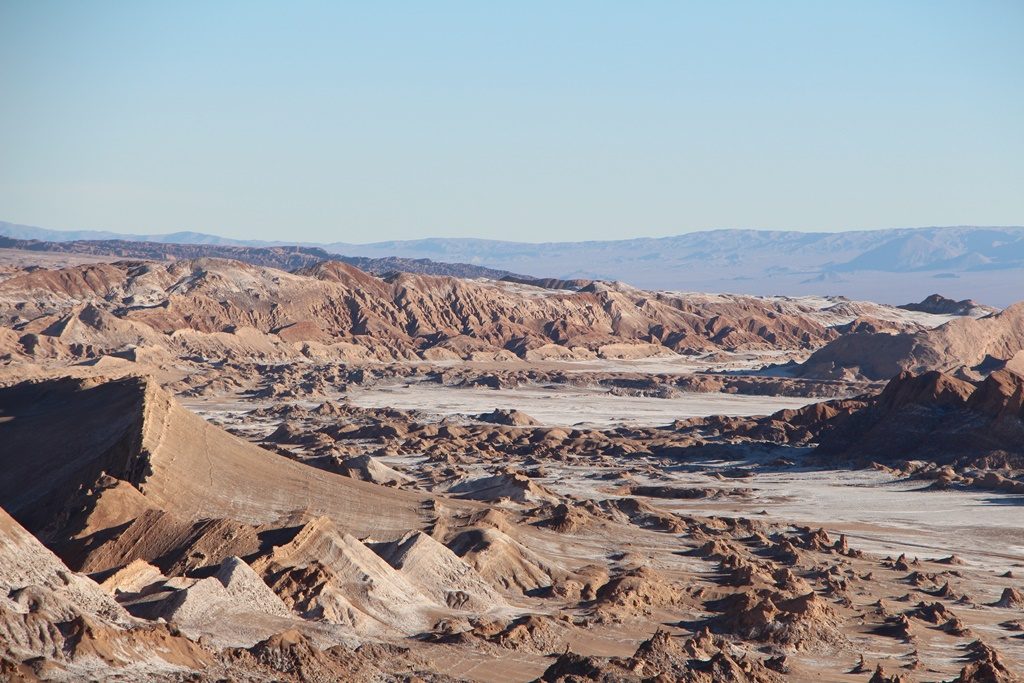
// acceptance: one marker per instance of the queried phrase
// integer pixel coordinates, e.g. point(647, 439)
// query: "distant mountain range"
point(890, 266)
point(287, 257)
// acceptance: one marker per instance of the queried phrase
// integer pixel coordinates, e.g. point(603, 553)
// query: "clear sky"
point(334, 121)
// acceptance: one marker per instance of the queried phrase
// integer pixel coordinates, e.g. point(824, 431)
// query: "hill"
point(80, 431)
point(214, 308)
point(969, 346)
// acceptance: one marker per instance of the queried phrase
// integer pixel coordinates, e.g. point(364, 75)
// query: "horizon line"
point(138, 237)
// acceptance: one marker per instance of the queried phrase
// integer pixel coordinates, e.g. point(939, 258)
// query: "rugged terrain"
point(219, 470)
point(212, 307)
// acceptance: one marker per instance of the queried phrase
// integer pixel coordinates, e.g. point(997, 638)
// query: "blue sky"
point(333, 121)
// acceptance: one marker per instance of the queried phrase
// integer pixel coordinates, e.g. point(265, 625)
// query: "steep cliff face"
point(50, 448)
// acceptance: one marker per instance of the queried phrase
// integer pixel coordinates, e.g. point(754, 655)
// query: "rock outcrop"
point(935, 417)
point(966, 346)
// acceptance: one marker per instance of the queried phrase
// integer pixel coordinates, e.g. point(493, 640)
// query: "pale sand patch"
point(569, 406)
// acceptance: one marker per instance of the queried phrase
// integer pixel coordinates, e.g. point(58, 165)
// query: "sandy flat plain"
point(562, 407)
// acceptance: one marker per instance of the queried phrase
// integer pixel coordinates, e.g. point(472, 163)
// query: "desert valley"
point(531, 342)
point(275, 465)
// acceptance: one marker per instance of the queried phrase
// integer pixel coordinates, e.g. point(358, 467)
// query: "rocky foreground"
point(183, 551)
